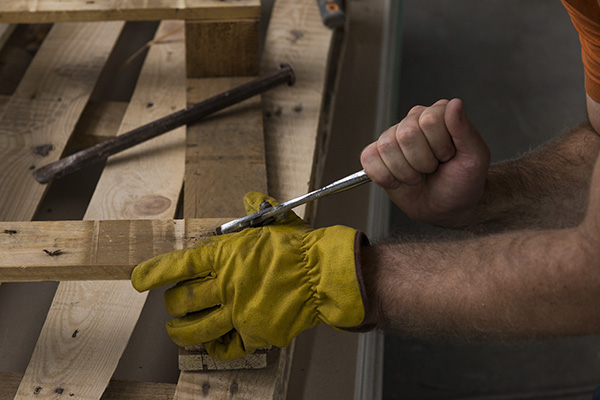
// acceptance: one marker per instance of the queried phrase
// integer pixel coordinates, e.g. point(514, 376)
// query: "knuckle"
point(417, 109)
point(407, 135)
point(431, 118)
point(368, 156)
point(386, 144)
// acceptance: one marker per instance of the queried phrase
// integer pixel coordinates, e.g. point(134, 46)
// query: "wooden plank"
point(40, 117)
point(295, 35)
point(235, 53)
point(198, 359)
point(141, 183)
point(117, 389)
point(91, 250)
point(267, 383)
point(18, 52)
point(225, 156)
point(39, 11)
point(292, 114)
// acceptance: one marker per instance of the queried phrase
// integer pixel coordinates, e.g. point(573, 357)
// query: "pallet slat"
point(91, 250)
point(40, 117)
point(292, 114)
point(256, 384)
point(117, 389)
point(225, 154)
point(89, 323)
point(42, 11)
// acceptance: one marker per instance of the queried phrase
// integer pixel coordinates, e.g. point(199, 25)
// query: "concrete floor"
point(516, 64)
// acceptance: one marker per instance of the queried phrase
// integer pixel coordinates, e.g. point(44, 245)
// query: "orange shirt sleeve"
point(585, 15)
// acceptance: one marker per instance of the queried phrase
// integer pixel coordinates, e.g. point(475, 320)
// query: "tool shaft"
point(193, 113)
point(273, 213)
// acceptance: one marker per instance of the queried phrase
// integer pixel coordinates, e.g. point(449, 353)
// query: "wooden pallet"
point(56, 107)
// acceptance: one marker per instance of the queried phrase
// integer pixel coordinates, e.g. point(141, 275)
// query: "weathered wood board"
point(267, 383)
point(40, 11)
point(292, 114)
point(291, 119)
point(91, 250)
point(235, 53)
point(41, 115)
point(225, 154)
point(116, 390)
point(90, 322)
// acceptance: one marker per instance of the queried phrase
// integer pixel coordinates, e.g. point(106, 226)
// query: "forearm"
point(508, 286)
point(545, 188)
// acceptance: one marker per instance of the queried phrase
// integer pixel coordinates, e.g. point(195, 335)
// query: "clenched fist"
point(433, 164)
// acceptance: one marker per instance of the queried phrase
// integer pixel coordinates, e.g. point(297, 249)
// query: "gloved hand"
point(242, 291)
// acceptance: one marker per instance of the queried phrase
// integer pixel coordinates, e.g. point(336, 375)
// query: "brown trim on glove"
point(368, 323)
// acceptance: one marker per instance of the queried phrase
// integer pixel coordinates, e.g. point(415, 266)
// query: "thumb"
point(466, 138)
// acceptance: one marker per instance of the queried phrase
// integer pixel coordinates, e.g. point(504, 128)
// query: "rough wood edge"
point(52, 115)
point(100, 120)
point(117, 389)
point(235, 53)
point(72, 250)
point(325, 120)
point(200, 360)
point(111, 309)
point(29, 12)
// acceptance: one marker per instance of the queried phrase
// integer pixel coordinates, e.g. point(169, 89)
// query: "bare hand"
point(433, 164)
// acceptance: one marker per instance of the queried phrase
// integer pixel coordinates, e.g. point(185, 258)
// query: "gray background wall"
point(517, 66)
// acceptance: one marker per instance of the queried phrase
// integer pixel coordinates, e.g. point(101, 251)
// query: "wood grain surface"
point(291, 118)
point(225, 154)
point(235, 53)
point(41, 115)
point(117, 389)
point(40, 11)
point(296, 36)
point(91, 250)
point(90, 322)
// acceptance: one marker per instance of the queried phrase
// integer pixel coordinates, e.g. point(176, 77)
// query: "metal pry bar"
point(269, 214)
point(195, 112)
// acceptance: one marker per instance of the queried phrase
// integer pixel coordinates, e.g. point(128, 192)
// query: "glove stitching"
point(314, 296)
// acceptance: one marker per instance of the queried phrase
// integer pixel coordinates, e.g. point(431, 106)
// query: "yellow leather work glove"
point(242, 291)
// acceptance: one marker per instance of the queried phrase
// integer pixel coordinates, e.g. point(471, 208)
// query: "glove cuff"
point(361, 240)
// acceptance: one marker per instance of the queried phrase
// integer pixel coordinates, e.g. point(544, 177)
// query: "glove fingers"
point(228, 347)
point(174, 267)
point(192, 296)
point(199, 327)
